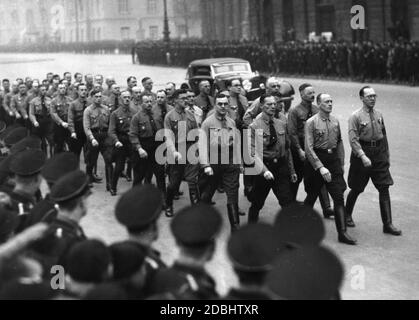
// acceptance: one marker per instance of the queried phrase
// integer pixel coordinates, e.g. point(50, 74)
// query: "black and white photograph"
point(209, 150)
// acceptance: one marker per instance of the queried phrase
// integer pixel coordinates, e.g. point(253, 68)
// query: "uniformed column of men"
point(305, 144)
point(397, 60)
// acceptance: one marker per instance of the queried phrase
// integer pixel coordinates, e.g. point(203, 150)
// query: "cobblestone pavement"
point(389, 263)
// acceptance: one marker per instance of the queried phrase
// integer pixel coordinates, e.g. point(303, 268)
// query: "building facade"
point(272, 20)
point(25, 21)
point(96, 20)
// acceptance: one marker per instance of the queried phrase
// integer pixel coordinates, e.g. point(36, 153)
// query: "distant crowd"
point(360, 61)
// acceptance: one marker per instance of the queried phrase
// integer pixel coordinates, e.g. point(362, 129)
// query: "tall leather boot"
point(325, 203)
point(114, 183)
point(194, 195)
point(350, 204)
point(169, 202)
point(341, 226)
point(233, 216)
point(385, 208)
point(253, 215)
point(108, 176)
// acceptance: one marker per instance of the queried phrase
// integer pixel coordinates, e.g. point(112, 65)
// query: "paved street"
point(390, 263)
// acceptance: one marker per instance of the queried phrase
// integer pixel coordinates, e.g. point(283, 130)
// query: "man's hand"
point(143, 154)
point(74, 136)
point(366, 161)
point(18, 116)
point(177, 156)
point(65, 125)
point(268, 175)
point(302, 155)
point(95, 143)
point(12, 114)
point(325, 174)
point(294, 178)
point(208, 171)
point(119, 144)
point(36, 124)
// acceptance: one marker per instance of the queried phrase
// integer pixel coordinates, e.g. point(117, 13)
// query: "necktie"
point(116, 106)
point(44, 107)
point(310, 113)
point(152, 122)
point(372, 124)
point(272, 132)
point(84, 104)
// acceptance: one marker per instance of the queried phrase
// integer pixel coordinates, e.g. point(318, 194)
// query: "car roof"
point(216, 60)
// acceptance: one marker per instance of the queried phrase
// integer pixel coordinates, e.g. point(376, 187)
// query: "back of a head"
point(127, 259)
point(309, 273)
point(138, 208)
point(88, 261)
point(252, 250)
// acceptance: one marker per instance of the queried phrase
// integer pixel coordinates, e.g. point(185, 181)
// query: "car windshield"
point(236, 67)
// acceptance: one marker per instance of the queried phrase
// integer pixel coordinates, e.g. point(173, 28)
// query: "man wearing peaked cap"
point(70, 193)
point(54, 168)
point(310, 273)
point(298, 225)
point(15, 136)
point(30, 142)
point(195, 230)
point(138, 210)
point(26, 166)
point(252, 251)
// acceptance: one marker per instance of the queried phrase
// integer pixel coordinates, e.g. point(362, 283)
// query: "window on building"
point(151, 6)
point(71, 36)
point(288, 20)
point(154, 32)
point(325, 16)
point(98, 8)
point(93, 34)
point(399, 19)
point(81, 35)
point(99, 35)
point(123, 6)
point(125, 33)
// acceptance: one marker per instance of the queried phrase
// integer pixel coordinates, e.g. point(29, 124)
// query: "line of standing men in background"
point(122, 126)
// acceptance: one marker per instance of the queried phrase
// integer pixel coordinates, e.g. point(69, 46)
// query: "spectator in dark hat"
point(30, 142)
point(252, 250)
point(195, 230)
point(310, 273)
point(15, 136)
point(138, 210)
point(297, 226)
point(87, 264)
point(54, 168)
point(26, 166)
point(70, 193)
point(128, 260)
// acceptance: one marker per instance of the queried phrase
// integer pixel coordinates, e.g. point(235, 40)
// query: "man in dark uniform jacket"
point(138, 211)
point(370, 159)
point(70, 193)
point(252, 250)
point(195, 230)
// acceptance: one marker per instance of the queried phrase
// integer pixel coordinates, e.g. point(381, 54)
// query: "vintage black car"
point(218, 70)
